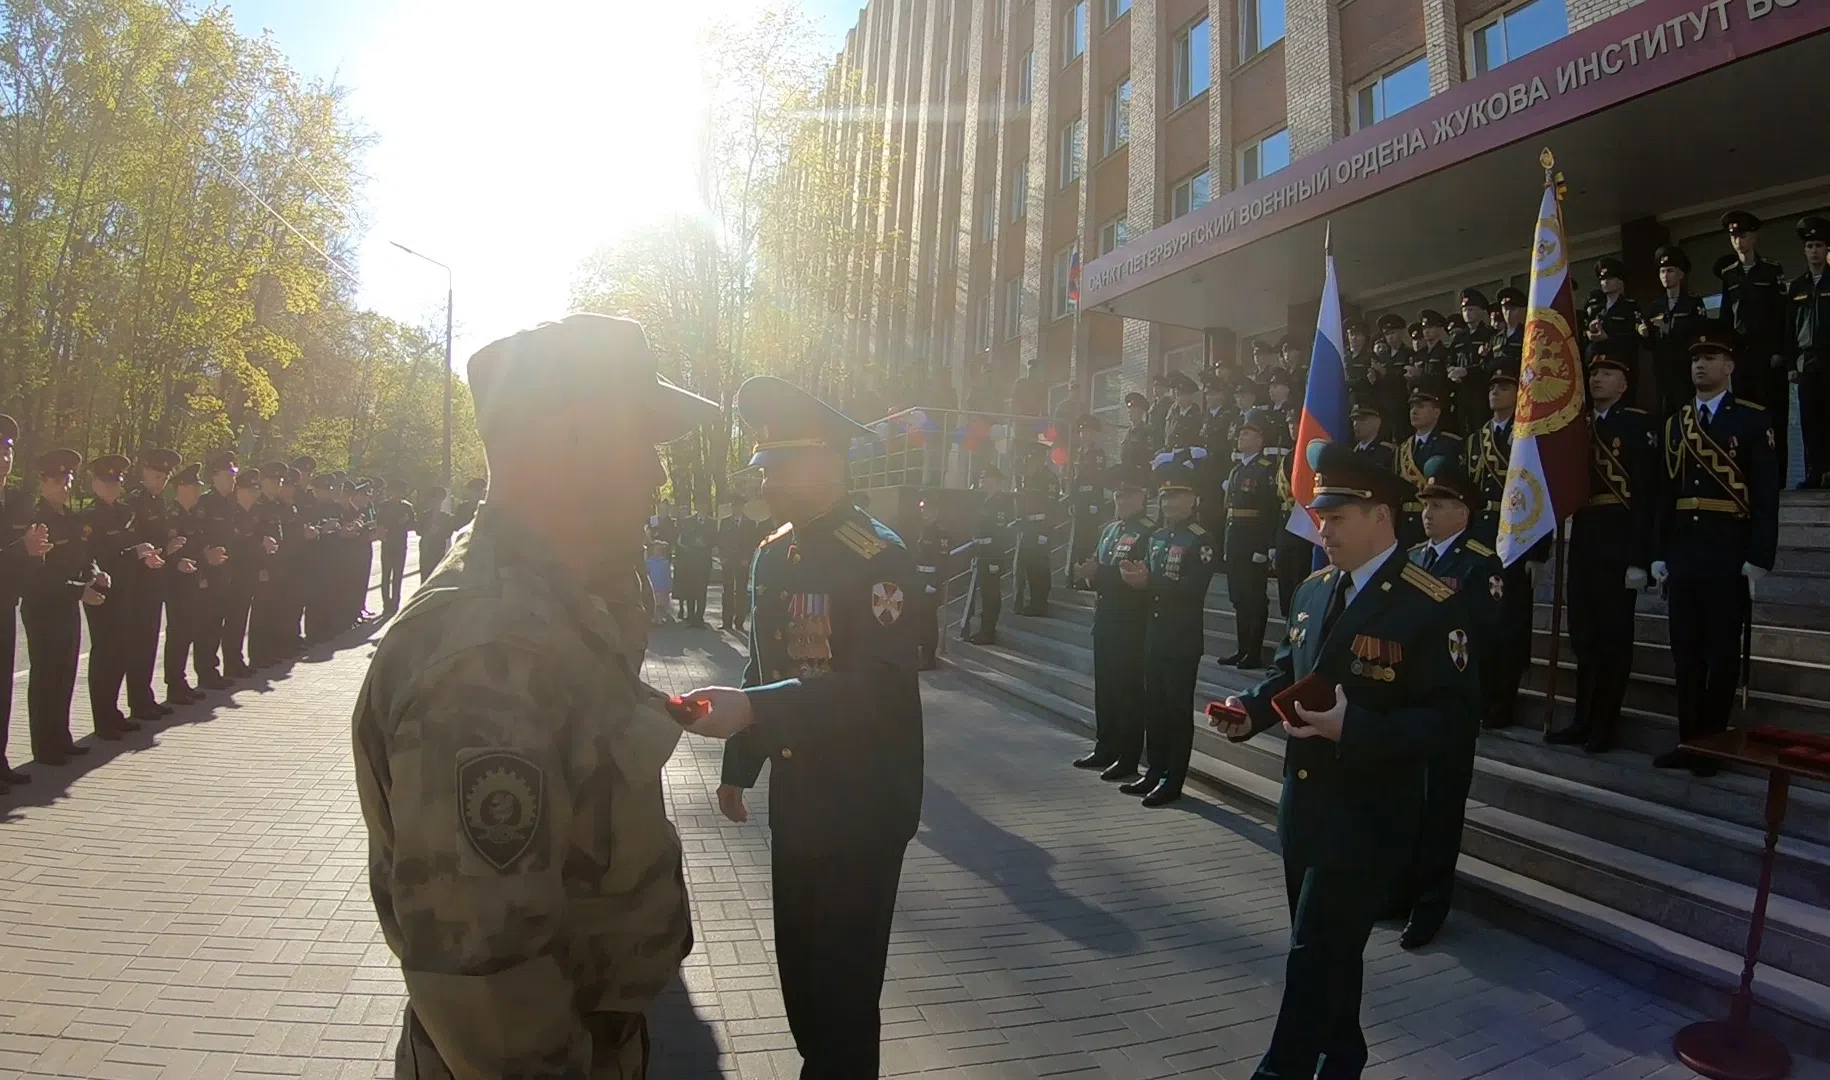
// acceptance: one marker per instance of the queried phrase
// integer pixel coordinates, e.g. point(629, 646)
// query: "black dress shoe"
point(1162, 795)
point(1230, 661)
point(1250, 663)
point(1598, 744)
point(74, 750)
point(1672, 759)
point(1569, 736)
point(237, 671)
point(214, 682)
point(53, 758)
point(161, 709)
point(109, 731)
point(1094, 760)
point(1704, 767)
point(1143, 785)
point(10, 775)
point(1417, 935)
point(1118, 770)
point(983, 639)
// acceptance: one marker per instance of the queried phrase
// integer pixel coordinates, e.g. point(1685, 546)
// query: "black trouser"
point(1332, 912)
point(1507, 658)
point(237, 605)
point(1246, 582)
point(393, 569)
point(692, 584)
point(1707, 616)
point(182, 607)
point(1083, 540)
point(143, 642)
point(1425, 885)
point(206, 633)
point(1601, 636)
point(927, 608)
point(110, 623)
point(730, 611)
point(1295, 559)
point(431, 552)
point(266, 619)
point(1755, 378)
point(318, 584)
point(1035, 584)
point(359, 585)
point(1814, 415)
point(1169, 704)
point(988, 580)
point(1118, 691)
point(832, 939)
point(53, 639)
point(9, 644)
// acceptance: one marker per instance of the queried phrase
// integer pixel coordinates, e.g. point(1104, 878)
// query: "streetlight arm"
point(448, 371)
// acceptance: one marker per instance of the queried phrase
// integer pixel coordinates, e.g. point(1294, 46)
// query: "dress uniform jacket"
point(1350, 810)
point(1378, 452)
point(1810, 337)
point(1120, 616)
point(1412, 454)
point(108, 528)
point(1138, 446)
point(838, 712)
point(1471, 350)
point(1254, 526)
point(1182, 559)
point(508, 761)
point(1183, 427)
point(1678, 321)
point(15, 519)
point(1754, 305)
point(1489, 458)
point(1086, 503)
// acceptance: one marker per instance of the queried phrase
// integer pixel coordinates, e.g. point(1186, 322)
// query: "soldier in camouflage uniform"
point(509, 758)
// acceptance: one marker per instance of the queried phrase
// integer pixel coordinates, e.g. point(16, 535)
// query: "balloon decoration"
point(1059, 455)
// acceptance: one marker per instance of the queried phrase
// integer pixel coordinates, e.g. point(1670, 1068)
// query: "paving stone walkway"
point(192, 903)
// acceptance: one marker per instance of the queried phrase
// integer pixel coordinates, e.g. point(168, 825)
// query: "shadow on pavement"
point(1020, 869)
point(719, 645)
point(682, 1044)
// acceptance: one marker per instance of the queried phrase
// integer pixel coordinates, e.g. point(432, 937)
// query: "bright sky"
point(514, 139)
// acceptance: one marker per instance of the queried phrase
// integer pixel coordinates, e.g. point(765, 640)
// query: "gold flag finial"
point(1547, 159)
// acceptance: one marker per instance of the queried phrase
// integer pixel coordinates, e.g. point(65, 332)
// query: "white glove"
point(1259, 557)
point(1041, 539)
point(1660, 572)
point(1753, 573)
point(930, 590)
point(1226, 485)
point(1636, 578)
point(1271, 557)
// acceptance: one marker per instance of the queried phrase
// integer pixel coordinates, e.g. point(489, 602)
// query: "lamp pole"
point(448, 376)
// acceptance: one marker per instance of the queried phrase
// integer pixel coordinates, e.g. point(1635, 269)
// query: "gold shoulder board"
point(1420, 545)
point(859, 539)
point(1450, 435)
point(779, 533)
point(1427, 583)
point(1750, 404)
point(1479, 548)
point(1196, 529)
point(1633, 409)
point(1317, 574)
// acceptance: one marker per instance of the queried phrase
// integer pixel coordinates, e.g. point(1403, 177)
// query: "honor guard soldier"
point(1369, 445)
point(1717, 536)
point(22, 544)
point(1386, 374)
point(1280, 386)
point(1810, 337)
point(1670, 325)
point(1472, 358)
point(118, 553)
point(434, 528)
point(1427, 440)
point(832, 702)
point(1421, 890)
point(184, 569)
point(1120, 618)
point(1183, 424)
point(1139, 443)
point(1380, 634)
point(1509, 343)
point(1220, 435)
point(269, 642)
point(1036, 499)
point(1433, 359)
point(933, 551)
point(1254, 520)
point(1178, 563)
point(63, 580)
point(1085, 497)
point(1754, 295)
point(152, 512)
point(507, 756)
point(1610, 548)
point(1507, 655)
point(990, 555)
point(1611, 315)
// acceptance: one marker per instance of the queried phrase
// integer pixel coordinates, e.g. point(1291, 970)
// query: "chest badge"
point(886, 602)
point(809, 633)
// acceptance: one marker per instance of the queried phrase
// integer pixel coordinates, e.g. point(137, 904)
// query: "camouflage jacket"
point(509, 759)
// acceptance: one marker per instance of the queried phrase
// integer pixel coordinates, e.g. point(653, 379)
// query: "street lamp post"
point(448, 375)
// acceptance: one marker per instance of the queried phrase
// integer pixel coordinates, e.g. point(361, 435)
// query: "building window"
point(1115, 9)
point(1390, 93)
point(982, 330)
point(1074, 33)
point(997, 16)
point(1118, 118)
point(1106, 387)
point(1073, 150)
point(1265, 156)
point(1026, 78)
point(1261, 25)
point(1114, 234)
point(1019, 191)
point(1192, 73)
point(988, 227)
point(1013, 308)
point(1192, 194)
point(1516, 32)
point(1064, 268)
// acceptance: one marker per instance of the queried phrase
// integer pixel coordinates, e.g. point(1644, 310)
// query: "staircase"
point(1647, 872)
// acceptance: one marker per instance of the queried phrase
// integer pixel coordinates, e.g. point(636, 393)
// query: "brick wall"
point(1585, 13)
point(1147, 90)
point(1314, 89)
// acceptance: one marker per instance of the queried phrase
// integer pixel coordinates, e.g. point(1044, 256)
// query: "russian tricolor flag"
point(1324, 403)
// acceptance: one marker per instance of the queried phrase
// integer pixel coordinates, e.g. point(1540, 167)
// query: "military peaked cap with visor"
point(1343, 477)
point(787, 420)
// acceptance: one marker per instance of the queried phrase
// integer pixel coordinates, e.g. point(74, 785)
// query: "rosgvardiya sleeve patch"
point(501, 798)
point(886, 602)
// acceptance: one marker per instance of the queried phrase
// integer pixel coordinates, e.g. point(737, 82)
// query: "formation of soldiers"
point(695, 548)
point(236, 570)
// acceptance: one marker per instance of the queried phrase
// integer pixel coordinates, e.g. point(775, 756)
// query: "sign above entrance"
point(1638, 51)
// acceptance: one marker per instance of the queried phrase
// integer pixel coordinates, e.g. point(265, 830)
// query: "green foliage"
point(146, 295)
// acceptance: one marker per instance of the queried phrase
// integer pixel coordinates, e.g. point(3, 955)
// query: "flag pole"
point(1556, 631)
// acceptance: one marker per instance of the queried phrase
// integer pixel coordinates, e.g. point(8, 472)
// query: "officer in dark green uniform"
point(990, 555)
point(1369, 443)
point(1140, 440)
point(1179, 562)
point(1717, 536)
point(151, 525)
point(1254, 518)
point(1085, 497)
point(833, 702)
point(1120, 614)
point(1610, 548)
point(1427, 440)
point(21, 544)
point(1382, 632)
point(1421, 890)
point(117, 553)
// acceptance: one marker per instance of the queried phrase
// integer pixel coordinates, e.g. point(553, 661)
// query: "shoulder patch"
point(859, 539)
point(1480, 549)
point(1195, 527)
point(1633, 409)
point(1420, 545)
point(1317, 574)
point(501, 800)
point(1426, 582)
point(779, 533)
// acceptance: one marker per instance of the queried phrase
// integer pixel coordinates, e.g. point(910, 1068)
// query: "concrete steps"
point(1656, 921)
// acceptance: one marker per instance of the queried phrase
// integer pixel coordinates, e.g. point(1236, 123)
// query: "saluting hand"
point(1320, 725)
point(729, 713)
point(730, 803)
point(37, 540)
point(1134, 573)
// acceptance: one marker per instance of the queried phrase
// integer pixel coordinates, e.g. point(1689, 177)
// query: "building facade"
point(1189, 152)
